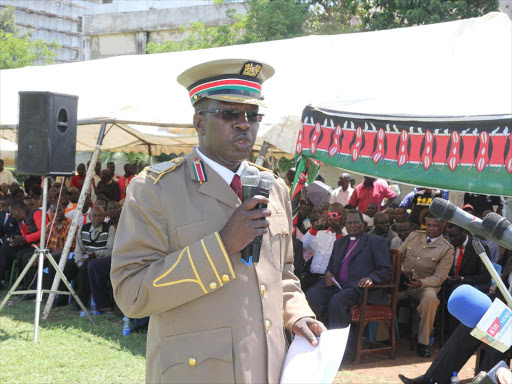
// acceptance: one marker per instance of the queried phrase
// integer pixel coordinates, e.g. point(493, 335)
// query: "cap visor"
point(238, 99)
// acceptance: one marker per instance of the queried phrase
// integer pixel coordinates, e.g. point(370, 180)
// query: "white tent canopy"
point(460, 68)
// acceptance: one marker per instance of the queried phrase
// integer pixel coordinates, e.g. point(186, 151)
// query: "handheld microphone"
point(447, 211)
point(254, 183)
point(468, 305)
point(499, 229)
point(491, 321)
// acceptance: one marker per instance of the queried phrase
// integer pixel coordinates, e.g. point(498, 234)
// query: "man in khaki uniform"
point(213, 319)
point(428, 256)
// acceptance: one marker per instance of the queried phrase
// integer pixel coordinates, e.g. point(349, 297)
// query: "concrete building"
point(127, 33)
point(93, 29)
point(506, 7)
point(57, 20)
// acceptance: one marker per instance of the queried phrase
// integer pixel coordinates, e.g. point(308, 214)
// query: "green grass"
point(70, 349)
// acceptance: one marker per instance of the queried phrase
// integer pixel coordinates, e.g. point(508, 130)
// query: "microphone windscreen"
point(267, 180)
point(442, 209)
point(468, 305)
point(495, 225)
point(250, 176)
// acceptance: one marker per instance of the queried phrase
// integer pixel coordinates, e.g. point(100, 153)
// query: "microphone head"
point(267, 180)
point(442, 209)
point(495, 225)
point(468, 305)
point(250, 176)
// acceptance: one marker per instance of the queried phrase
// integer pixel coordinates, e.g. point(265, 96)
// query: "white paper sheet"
point(307, 364)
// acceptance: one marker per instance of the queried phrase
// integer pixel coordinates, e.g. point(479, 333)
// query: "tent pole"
point(75, 222)
point(150, 155)
point(263, 151)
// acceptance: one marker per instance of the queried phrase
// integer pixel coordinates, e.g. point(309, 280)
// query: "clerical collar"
point(352, 238)
point(226, 174)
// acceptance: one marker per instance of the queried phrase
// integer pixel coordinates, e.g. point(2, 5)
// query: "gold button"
point(418, 258)
point(263, 289)
point(225, 278)
point(192, 362)
point(412, 270)
point(424, 246)
point(284, 232)
point(213, 285)
point(267, 324)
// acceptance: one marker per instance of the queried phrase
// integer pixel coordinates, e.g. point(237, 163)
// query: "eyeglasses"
point(334, 215)
point(234, 114)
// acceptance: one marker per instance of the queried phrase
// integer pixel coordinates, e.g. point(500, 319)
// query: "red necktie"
point(236, 185)
point(459, 259)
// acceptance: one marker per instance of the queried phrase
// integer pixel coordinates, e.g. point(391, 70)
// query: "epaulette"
point(161, 169)
point(263, 169)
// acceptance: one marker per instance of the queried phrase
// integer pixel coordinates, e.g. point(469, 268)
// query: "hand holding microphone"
point(248, 221)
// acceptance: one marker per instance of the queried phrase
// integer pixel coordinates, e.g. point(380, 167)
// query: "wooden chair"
point(363, 313)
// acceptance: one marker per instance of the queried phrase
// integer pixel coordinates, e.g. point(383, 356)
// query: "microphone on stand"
point(499, 229)
point(447, 211)
point(254, 183)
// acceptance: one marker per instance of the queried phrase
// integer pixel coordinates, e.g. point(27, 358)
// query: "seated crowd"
point(89, 260)
point(342, 245)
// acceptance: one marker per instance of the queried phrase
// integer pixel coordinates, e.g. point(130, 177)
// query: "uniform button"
point(418, 258)
point(267, 324)
point(284, 232)
point(424, 246)
point(412, 270)
point(192, 362)
point(213, 285)
point(225, 278)
point(263, 289)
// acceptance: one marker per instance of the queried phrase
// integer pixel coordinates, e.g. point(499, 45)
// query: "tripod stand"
point(40, 253)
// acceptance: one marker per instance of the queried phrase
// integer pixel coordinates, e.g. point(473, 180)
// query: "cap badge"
point(251, 69)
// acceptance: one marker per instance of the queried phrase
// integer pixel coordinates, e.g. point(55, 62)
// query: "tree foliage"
point(387, 14)
point(18, 50)
point(266, 20)
point(327, 17)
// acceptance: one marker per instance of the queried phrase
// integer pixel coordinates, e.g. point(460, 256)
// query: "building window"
point(108, 1)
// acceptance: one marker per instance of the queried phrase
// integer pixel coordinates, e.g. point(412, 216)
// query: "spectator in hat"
point(343, 193)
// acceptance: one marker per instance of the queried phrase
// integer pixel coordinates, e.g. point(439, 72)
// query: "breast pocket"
point(190, 233)
point(278, 235)
point(198, 357)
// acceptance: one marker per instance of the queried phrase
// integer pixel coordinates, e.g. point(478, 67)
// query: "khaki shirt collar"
point(226, 174)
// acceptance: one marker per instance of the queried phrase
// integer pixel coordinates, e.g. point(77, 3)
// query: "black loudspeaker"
point(47, 134)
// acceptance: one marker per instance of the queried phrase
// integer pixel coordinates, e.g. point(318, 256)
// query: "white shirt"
point(341, 196)
point(321, 244)
point(226, 174)
point(85, 219)
point(6, 177)
point(433, 239)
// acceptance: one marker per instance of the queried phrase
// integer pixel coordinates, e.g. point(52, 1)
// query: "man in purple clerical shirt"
point(357, 261)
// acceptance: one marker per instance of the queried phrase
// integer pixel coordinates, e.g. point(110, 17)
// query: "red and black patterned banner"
point(449, 153)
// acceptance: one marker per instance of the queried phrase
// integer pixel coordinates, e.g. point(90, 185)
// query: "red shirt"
point(123, 183)
point(32, 237)
point(363, 196)
point(77, 181)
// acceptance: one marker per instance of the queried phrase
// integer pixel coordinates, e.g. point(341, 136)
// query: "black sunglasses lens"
point(230, 114)
point(254, 117)
point(233, 114)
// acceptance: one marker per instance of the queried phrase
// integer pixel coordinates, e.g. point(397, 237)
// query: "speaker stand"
point(40, 253)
